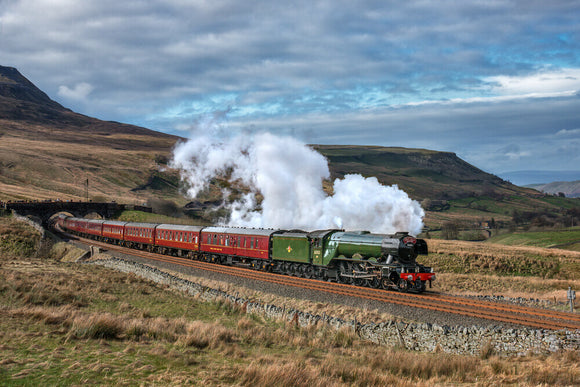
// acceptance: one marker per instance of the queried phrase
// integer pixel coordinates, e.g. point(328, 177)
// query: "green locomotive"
point(359, 258)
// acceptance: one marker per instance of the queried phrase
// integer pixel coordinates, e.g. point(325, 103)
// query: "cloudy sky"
point(497, 82)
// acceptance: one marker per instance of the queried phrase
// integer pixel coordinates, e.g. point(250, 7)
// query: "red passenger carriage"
point(177, 239)
point(94, 227)
point(113, 231)
point(77, 225)
point(238, 242)
point(140, 235)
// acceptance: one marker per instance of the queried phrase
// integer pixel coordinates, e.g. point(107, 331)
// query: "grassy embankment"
point(64, 323)
point(500, 269)
point(568, 239)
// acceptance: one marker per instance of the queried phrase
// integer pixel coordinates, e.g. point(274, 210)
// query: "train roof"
point(142, 225)
point(114, 223)
point(239, 231)
point(306, 234)
point(292, 234)
point(179, 227)
point(322, 233)
point(75, 218)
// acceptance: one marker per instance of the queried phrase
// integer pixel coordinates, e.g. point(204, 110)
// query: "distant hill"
point(421, 173)
point(569, 188)
point(48, 151)
point(527, 178)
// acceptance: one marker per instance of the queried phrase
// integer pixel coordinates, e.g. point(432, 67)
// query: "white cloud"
point(79, 92)
point(417, 74)
point(565, 80)
point(570, 132)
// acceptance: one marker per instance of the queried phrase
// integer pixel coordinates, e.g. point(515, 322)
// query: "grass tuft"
point(104, 326)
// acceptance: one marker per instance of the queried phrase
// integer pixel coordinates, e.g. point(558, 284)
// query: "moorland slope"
point(48, 151)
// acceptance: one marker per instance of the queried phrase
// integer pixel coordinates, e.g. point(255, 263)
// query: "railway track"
point(505, 313)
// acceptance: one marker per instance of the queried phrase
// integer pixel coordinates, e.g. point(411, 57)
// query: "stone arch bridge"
point(45, 210)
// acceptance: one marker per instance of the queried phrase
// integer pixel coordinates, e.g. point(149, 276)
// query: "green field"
point(568, 239)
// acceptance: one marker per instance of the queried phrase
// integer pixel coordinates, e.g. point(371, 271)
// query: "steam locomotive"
point(358, 258)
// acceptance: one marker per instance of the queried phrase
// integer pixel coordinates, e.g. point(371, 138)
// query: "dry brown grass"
point(466, 249)
point(233, 348)
point(77, 324)
point(46, 167)
point(363, 313)
point(477, 268)
point(486, 258)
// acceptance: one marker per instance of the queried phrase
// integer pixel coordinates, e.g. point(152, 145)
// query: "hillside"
point(421, 173)
point(48, 151)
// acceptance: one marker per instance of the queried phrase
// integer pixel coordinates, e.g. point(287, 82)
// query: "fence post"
point(571, 298)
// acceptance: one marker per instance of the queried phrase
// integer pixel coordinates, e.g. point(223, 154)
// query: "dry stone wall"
point(423, 337)
point(37, 226)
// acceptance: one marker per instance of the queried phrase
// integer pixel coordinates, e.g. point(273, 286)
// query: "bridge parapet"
point(45, 210)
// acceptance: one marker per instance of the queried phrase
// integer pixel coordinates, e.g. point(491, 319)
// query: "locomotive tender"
point(358, 258)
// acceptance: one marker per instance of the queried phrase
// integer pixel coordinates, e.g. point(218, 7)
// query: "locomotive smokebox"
point(404, 247)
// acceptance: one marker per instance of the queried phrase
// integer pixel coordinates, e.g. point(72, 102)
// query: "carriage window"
point(251, 243)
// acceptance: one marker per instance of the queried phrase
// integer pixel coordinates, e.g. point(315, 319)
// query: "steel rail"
point(526, 316)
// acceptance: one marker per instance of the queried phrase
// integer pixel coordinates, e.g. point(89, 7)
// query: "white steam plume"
point(289, 176)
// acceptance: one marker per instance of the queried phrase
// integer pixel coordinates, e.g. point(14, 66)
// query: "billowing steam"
point(289, 175)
